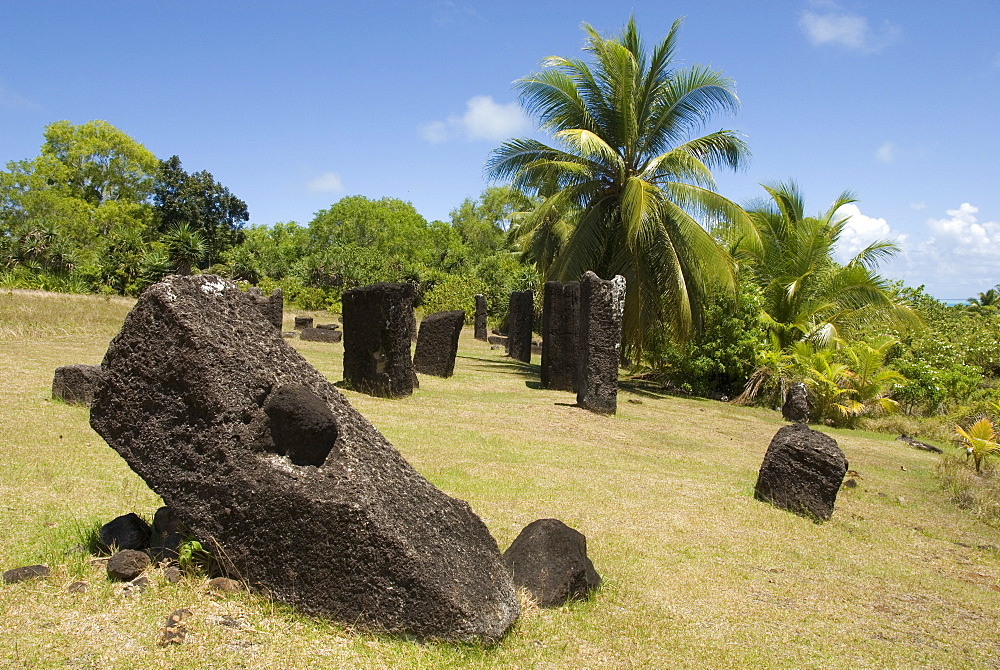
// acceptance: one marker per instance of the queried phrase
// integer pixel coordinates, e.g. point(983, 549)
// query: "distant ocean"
point(954, 301)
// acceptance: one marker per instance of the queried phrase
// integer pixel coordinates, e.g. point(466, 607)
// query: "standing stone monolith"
point(378, 321)
point(272, 306)
point(560, 335)
point(201, 399)
point(520, 318)
point(796, 405)
point(602, 303)
point(480, 322)
point(76, 384)
point(802, 472)
point(437, 343)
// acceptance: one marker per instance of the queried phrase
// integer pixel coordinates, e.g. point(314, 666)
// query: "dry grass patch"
point(697, 573)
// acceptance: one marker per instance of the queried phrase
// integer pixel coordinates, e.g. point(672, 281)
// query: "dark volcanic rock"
point(128, 564)
point(303, 322)
point(76, 383)
point(550, 560)
point(321, 335)
point(480, 322)
point(601, 305)
point(796, 405)
point(437, 343)
point(361, 538)
point(802, 472)
point(520, 319)
point(25, 572)
point(302, 424)
point(272, 306)
point(560, 335)
point(166, 522)
point(378, 323)
point(128, 531)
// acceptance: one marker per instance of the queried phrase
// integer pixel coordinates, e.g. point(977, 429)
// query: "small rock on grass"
point(224, 585)
point(172, 574)
point(175, 629)
point(77, 587)
point(127, 565)
point(25, 572)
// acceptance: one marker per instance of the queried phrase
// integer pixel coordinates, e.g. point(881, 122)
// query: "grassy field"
point(697, 573)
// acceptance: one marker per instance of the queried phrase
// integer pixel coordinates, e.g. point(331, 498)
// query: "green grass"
point(697, 573)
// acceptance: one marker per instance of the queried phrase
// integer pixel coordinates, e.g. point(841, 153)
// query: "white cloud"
point(918, 205)
point(860, 231)
point(328, 182)
point(841, 28)
point(484, 119)
point(957, 259)
point(886, 153)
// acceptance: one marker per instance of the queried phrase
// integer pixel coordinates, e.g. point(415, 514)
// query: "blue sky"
point(294, 105)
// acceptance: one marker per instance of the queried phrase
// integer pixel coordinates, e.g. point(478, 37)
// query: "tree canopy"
point(629, 161)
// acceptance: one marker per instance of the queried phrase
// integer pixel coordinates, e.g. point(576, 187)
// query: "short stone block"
point(437, 343)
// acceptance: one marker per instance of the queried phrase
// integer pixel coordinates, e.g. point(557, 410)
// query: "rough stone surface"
point(437, 343)
point(302, 424)
point(127, 564)
point(519, 324)
point(166, 522)
point(802, 472)
point(550, 560)
point(362, 538)
point(796, 405)
point(480, 322)
point(321, 335)
point(25, 572)
point(128, 531)
point(76, 383)
point(560, 335)
point(272, 306)
point(601, 305)
point(303, 322)
point(378, 322)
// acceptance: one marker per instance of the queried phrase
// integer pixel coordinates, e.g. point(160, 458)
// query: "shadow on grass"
point(507, 366)
point(649, 389)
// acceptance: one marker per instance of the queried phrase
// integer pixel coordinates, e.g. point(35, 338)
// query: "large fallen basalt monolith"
point(601, 305)
point(320, 335)
point(272, 306)
point(796, 405)
point(437, 343)
point(520, 317)
point(550, 560)
point(75, 384)
point(378, 325)
point(560, 335)
point(480, 322)
point(802, 472)
point(195, 398)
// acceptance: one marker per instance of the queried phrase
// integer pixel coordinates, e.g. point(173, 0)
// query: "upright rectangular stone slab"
point(602, 303)
point(480, 322)
point(519, 324)
point(437, 343)
point(76, 384)
point(560, 335)
point(266, 461)
point(272, 306)
point(378, 321)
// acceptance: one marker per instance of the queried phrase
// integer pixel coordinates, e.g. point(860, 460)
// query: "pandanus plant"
point(979, 442)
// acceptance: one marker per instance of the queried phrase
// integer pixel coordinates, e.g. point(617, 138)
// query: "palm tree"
point(185, 247)
point(989, 298)
point(807, 294)
point(630, 164)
